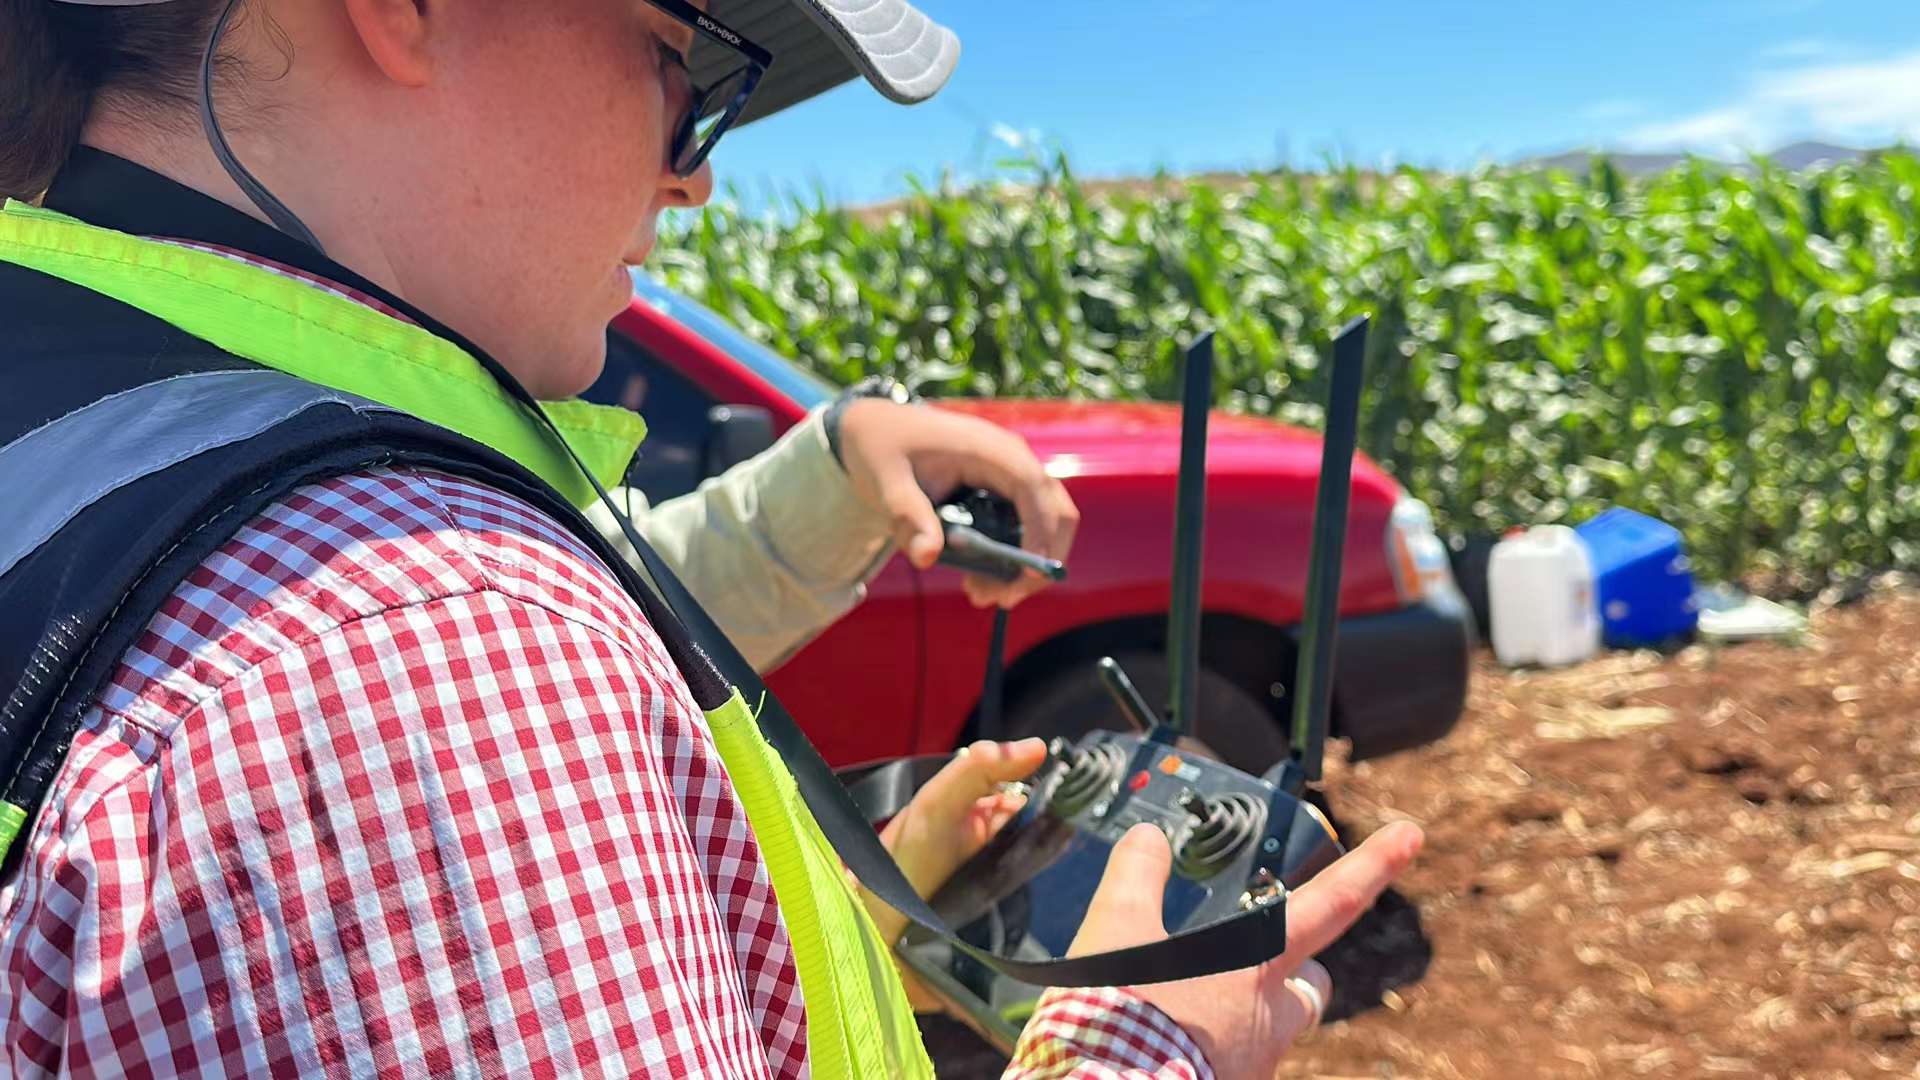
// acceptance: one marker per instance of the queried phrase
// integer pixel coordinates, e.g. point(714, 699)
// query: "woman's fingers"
point(953, 816)
point(1243, 1020)
point(1322, 909)
point(979, 770)
point(1125, 910)
point(943, 825)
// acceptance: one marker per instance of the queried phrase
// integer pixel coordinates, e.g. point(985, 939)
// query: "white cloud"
point(1730, 131)
point(1799, 49)
point(1014, 137)
point(1865, 102)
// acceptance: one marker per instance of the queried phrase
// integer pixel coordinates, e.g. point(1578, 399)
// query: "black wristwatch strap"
point(873, 386)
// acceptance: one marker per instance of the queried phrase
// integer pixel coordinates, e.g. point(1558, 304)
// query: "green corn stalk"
point(1735, 352)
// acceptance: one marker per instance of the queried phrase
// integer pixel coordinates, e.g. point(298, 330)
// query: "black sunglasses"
point(716, 106)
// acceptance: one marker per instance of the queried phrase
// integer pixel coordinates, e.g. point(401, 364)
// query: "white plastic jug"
point(1540, 595)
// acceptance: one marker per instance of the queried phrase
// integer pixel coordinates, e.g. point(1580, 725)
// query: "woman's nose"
point(689, 191)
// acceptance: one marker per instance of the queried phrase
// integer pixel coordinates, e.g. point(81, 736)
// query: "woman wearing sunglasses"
point(398, 771)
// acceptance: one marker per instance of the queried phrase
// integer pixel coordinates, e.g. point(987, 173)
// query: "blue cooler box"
point(1641, 577)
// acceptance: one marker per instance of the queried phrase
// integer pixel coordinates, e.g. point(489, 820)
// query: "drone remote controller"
point(1240, 843)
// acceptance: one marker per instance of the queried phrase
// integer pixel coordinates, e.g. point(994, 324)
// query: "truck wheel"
point(1233, 726)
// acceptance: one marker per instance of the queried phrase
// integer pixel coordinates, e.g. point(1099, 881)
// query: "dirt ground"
point(1698, 864)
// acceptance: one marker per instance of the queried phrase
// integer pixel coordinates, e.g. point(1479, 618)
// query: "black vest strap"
point(881, 789)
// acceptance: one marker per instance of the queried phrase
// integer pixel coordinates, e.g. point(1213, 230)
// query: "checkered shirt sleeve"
point(400, 783)
point(1104, 1034)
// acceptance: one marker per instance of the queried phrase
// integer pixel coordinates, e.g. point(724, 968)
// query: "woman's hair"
point(56, 59)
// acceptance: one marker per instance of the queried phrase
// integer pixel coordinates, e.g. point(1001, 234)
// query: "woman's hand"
point(903, 458)
point(950, 819)
point(1244, 1020)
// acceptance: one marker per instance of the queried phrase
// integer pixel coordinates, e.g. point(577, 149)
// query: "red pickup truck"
point(902, 673)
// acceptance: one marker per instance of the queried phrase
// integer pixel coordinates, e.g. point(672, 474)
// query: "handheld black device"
point(983, 535)
point(1240, 842)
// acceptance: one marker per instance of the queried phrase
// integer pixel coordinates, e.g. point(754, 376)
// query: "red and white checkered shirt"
point(399, 782)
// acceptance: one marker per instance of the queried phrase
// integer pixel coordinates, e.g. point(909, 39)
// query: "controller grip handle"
point(1014, 856)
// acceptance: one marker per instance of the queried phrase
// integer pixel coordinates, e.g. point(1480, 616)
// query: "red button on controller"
point(1138, 780)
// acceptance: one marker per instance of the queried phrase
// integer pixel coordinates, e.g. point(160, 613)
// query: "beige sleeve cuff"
point(822, 529)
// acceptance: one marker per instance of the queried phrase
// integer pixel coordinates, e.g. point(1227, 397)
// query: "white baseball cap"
point(816, 45)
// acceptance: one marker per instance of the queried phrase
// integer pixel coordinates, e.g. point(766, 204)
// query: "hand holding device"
point(898, 455)
point(1244, 1020)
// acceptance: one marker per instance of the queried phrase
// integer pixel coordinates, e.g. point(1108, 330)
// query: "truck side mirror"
point(734, 434)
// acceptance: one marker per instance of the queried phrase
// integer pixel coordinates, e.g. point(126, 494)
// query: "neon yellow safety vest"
point(859, 1022)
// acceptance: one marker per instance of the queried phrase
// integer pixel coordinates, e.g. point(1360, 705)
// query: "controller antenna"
point(1189, 533)
point(1313, 678)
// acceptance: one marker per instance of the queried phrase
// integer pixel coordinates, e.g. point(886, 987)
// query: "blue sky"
point(1127, 86)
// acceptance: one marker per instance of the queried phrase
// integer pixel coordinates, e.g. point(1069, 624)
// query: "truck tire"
point(1233, 726)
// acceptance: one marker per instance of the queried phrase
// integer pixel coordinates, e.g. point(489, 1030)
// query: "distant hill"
point(1806, 155)
point(1796, 156)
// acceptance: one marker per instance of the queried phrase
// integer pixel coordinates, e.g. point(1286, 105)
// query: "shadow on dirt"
point(1386, 950)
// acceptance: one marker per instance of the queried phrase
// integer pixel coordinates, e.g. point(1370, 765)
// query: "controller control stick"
point(1232, 821)
point(1092, 773)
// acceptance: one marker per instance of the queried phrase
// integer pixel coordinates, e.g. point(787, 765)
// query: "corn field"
point(1737, 352)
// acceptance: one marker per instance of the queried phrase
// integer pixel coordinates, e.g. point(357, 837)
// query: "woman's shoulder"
point(349, 548)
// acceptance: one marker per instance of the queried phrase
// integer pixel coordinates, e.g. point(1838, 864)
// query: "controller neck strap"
point(713, 667)
point(1244, 940)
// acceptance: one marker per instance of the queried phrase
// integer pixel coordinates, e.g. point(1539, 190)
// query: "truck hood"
point(1096, 438)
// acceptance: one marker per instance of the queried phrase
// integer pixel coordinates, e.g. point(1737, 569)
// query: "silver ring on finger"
point(1311, 992)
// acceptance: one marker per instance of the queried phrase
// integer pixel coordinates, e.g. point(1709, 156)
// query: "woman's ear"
point(394, 34)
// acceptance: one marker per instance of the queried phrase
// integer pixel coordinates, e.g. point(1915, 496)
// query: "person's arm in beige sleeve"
point(780, 546)
point(776, 548)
